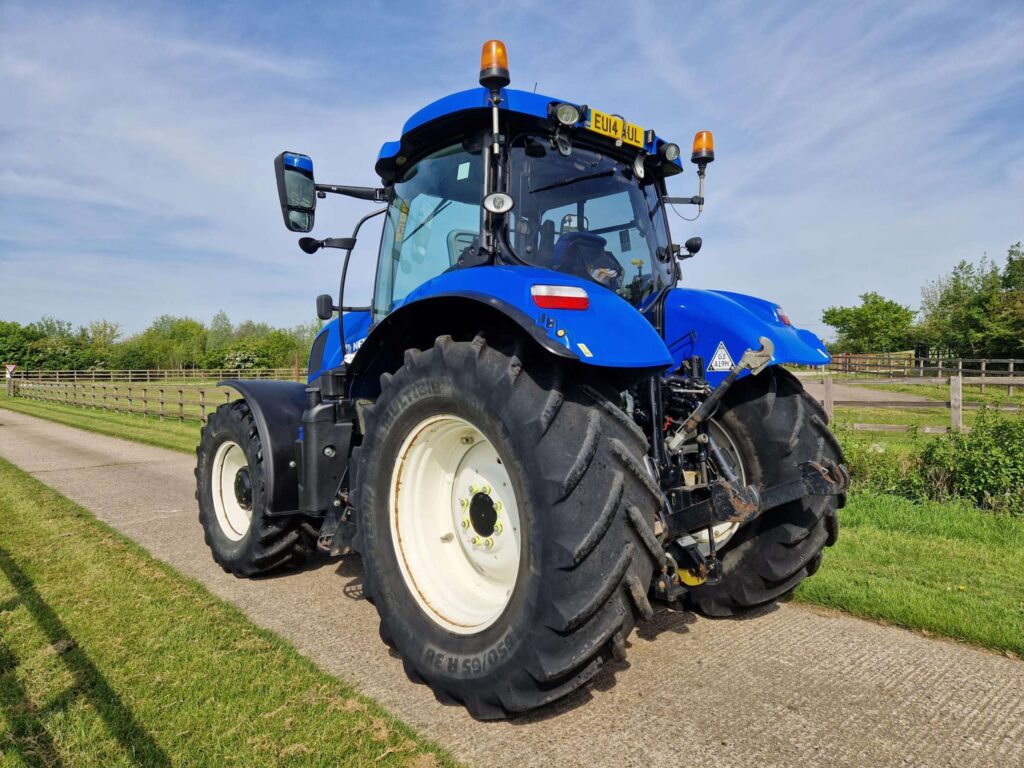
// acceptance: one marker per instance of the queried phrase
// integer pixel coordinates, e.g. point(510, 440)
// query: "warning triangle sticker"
point(721, 361)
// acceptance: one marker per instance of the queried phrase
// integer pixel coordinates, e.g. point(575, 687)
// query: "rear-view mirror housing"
point(296, 190)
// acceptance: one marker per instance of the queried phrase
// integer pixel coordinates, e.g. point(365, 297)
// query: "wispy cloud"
point(860, 148)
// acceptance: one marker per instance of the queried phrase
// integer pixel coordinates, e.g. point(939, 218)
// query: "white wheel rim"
point(449, 490)
point(723, 531)
point(234, 519)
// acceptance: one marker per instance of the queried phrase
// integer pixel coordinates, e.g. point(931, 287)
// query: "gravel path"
point(788, 686)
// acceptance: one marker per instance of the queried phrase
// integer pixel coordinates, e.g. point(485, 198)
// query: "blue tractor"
point(533, 432)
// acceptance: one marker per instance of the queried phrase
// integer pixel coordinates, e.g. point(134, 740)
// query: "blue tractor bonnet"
point(523, 102)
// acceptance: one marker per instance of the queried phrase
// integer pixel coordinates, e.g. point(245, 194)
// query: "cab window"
point(433, 217)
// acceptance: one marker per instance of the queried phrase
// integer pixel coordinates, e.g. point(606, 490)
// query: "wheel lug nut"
point(463, 503)
point(489, 542)
point(498, 528)
point(486, 490)
point(465, 522)
point(476, 540)
point(497, 506)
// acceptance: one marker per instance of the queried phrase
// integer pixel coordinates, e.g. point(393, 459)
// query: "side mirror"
point(325, 306)
point(693, 245)
point(296, 190)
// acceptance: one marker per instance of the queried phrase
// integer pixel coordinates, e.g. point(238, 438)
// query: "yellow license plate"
point(615, 127)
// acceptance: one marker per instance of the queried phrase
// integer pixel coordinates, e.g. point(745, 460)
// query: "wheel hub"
point(482, 515)
point(243, 489)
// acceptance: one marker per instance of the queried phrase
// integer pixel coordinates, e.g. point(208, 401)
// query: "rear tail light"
point(783, 317)
point(559, 297)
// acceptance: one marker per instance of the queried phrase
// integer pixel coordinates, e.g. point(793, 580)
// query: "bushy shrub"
point(985, 466)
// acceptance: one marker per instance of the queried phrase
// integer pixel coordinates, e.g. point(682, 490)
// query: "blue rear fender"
point(699, 322)
point(609, 333)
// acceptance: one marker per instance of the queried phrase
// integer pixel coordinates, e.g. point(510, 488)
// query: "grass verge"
point(109, 658)
point(945, 568)
point(141, 429)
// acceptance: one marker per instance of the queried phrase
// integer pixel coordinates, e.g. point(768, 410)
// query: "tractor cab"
point(496, 176)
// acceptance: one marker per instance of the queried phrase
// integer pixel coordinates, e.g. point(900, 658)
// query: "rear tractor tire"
point(505, 525)
point(231, 491)
point(774, 426)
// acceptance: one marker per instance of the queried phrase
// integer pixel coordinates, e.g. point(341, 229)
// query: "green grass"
point(946, 568)
point(143, 429)
point(110, 658)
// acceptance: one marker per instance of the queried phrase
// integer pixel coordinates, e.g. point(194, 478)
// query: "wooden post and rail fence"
point(191, 394)
point(955, 403)
point(179, 395)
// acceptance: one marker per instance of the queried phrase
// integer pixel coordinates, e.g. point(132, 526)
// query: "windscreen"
point(588, 214)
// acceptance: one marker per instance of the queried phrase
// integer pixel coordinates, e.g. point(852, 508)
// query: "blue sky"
point(860, 146)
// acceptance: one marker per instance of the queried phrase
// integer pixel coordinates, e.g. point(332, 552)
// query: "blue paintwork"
point(614, 333)
point(697, 320)
point(533, 104)
point(298, 161)
point(357, 326)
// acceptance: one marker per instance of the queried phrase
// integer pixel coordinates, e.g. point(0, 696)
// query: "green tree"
point(877, 325)
point(1013, 272)
point(957, 308)
point(221, 332)
point(16, 343)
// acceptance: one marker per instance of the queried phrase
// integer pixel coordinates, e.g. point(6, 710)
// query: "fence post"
point(938, 374)
point(829, 401)
point(984, 364)
point(181, 406)
point(145, 403)
point(161, 403)
point(1010, 389)
point(956, 405)
point(129, 400)
point(202, 406)
point(117, 401)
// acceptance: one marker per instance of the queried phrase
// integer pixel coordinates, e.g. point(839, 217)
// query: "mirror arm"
point(344, 273)
point(376, 194)
point(695, 200)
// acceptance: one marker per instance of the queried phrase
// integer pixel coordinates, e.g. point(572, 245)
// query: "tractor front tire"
point(231, 491)
point(775, 426)
point(505, 524)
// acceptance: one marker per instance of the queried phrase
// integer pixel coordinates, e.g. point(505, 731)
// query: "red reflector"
point(559, 297)
point(783, 317)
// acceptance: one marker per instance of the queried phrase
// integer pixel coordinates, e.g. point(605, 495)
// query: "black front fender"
point(277, 408)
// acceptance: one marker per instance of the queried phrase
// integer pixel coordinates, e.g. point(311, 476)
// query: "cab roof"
point(452, 106)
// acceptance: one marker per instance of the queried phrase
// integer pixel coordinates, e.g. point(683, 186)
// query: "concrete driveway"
point(789, 686)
